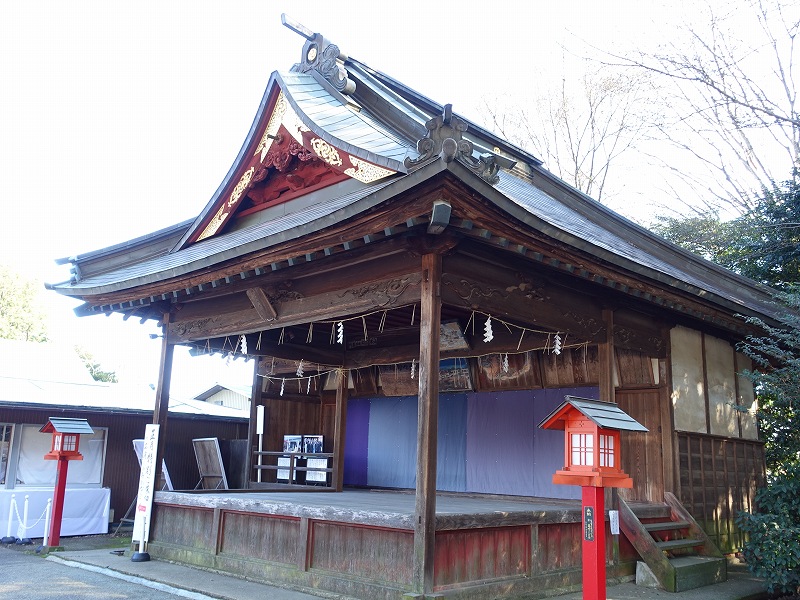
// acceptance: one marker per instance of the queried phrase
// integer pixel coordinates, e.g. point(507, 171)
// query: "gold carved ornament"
point(365, 171)
point(326, 152)
point(282, 114)
point(225, 209)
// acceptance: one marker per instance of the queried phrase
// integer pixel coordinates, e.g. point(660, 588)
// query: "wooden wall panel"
point(718, 479)
point(523, 372)
point(285, 416)
point(260, 537)
point(642, 456)
point(327, 425)
point(574, 367)
point(560, 546)
point(481, 554)
point(634, 368)
point(184, 526)
point(371, 552)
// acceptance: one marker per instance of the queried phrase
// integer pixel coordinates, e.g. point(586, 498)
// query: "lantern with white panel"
point(592, 460)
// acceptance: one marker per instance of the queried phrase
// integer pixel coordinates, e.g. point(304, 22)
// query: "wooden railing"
point(295, 471)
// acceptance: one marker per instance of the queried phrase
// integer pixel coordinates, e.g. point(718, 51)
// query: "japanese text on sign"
point(588, 523)
point(147, 480)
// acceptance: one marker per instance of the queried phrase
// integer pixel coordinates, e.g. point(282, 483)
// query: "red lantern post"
point(64, 448)
point(592, 461)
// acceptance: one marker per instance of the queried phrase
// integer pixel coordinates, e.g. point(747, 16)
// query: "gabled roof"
point(215, 389)
point(603, 414)
point(66, 425)
point(377, 135)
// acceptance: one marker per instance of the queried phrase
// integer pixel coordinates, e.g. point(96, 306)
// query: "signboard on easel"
point(147, 480)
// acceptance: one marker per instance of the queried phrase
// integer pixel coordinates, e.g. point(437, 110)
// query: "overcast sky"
point(119, 118)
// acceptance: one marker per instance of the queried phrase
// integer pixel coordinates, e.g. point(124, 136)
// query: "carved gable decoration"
point(445, 139)
point(290, 160)
point(289, 170)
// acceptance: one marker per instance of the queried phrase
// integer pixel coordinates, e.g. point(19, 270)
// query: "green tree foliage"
point(763, 243)
point(21, 316)
point(705, 235)
point(773, 549)
point(769, 249)
point(98, 374)
point(776, 376)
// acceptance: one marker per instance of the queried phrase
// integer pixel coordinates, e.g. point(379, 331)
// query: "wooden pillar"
point(669, 445)
point(427, 424)
point(162, 397)
point(340, 429)
point(605, 356)
point(255, 400)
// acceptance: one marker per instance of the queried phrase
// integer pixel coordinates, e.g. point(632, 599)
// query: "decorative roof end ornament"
point(444, 138)
point(322, 56)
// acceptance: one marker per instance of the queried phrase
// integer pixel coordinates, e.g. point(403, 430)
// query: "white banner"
point(147, 484)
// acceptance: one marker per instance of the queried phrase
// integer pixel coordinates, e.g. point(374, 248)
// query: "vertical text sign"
point(147, 484)
point(588, 523)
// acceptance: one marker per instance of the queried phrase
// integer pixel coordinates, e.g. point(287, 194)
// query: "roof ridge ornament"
point(322, 56)
point(444, 138)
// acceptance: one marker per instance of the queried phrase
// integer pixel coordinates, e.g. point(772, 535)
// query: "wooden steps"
point(677, 554)
point(665, 526)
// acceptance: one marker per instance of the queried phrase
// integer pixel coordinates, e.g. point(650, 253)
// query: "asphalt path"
point(26, 576)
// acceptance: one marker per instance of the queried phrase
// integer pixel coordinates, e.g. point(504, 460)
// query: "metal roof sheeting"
point(353, 131)
point(603, 414)
point(573, 218)
point(227, 246)
point(621, 238)
point(67, 425)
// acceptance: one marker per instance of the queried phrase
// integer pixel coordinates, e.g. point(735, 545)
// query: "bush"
point(773, 549)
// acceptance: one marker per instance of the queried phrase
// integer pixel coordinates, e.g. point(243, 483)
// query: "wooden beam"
point(262, 304)
point(235, 316)
point(669, 442)
point(305, 352)
point(503, 342)
point(605, 356)
point(255, 400)
point(340, 428)
point(522, 299)
point(427, 425)
point(161, 408)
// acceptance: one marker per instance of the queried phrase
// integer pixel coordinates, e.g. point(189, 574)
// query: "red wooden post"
point(592, 461)
point(54, 536)
point(64, 447)
point(594, 543)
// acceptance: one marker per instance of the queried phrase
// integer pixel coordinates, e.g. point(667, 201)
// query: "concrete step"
point(687, 573)
point(697, 571)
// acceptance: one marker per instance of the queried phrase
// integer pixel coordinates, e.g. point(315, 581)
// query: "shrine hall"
point(417, 295)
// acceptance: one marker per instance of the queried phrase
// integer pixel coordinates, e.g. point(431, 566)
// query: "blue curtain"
point(488, 442)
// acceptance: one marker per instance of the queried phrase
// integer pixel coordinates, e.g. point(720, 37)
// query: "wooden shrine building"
point(421, 293)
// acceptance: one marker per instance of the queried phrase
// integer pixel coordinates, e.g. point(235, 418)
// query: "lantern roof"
point(603, 414)
point(66, 425)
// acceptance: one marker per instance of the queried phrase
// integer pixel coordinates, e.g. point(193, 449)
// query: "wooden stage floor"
point(389, 508)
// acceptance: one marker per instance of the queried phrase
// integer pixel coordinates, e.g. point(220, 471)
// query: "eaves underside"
point(542, 216)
